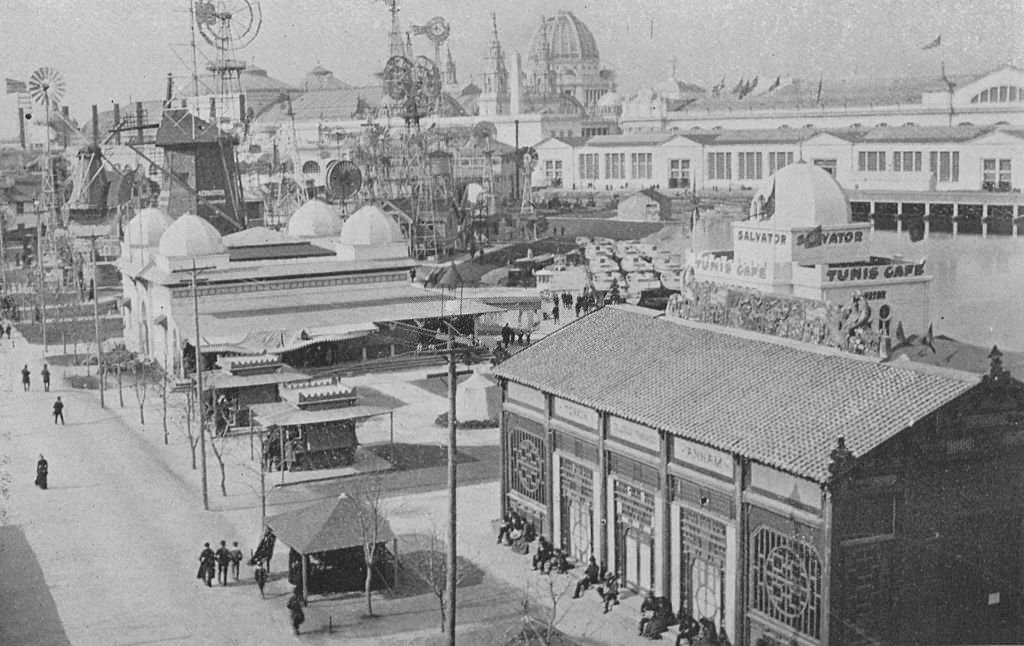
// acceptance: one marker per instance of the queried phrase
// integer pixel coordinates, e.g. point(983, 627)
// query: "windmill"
point(227, 26)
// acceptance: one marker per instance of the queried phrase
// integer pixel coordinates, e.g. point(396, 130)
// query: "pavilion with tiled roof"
point(780, 489)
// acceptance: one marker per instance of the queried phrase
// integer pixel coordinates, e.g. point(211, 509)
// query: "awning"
point(220, 380)
point(286, 414)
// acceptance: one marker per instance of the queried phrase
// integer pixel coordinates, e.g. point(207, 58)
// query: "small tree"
point(371, 523)
point(430, 565)
point(140, 378)
point(541, 630)
point(193, 438)
point(5, 487)
point(218, 445)
point(164, 392)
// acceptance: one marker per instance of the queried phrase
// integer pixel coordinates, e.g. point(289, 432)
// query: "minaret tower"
point(396, 41)
point(494, 99)
point(451, 80)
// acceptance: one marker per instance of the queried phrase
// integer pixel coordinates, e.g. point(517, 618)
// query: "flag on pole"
point(929, 338)
point(933, 44)
point(15, 87)
point(739, 86)
point(776, 83)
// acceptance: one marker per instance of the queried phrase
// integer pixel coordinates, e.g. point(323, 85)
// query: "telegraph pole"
point(452, 552)
point(96, 318)
point(199, 390)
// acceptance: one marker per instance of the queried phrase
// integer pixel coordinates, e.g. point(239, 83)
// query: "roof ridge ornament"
point(840, 460)
point(996, 373)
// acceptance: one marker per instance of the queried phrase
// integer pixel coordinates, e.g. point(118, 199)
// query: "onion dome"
point(146, 228)
point(314, 219)
point(369, 226)
point(806, 196)
point(190, 235)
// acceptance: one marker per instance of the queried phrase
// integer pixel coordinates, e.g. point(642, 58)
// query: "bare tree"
point(218, 445)
point(541, 619)
point(193, 437)
point(372, 525)
point(430, 566)
point(164, 392)
point(5, 487)
point(140, 373)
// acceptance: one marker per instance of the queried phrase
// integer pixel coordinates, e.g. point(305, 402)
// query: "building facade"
point(787, 493)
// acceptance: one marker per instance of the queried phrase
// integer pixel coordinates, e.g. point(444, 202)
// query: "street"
point(114, 540)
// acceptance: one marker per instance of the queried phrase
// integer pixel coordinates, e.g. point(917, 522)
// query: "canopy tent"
point(340, 525)
point(478, 400)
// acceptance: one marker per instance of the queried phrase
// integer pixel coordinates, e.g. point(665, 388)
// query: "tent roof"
point(327, 525)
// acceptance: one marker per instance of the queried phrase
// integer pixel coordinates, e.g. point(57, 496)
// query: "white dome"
point(190, 235)
point(369, 226)
point(146, 228)
point(314, 219)
point(806, 196)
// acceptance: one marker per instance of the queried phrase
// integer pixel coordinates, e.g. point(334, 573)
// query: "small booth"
point(327, 542)
point(242, 381)
point(314, 427)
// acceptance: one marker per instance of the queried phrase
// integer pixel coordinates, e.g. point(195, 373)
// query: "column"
point(956, 218)
point(662, 514)
point(602, 520)
point(927, 222)
point(986, 211)
point(899, 217)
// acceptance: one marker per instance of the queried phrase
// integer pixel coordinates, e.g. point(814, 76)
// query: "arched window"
point(1000, 94)
point(310, 168)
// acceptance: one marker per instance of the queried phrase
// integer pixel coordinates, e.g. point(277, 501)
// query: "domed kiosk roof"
point(314, 219)
point(191, 235)
point(565, 38)
point(369, 226)
point(805, 196)
point(146, 228)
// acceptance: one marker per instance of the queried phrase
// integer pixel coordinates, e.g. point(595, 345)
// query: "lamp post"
point(96, 319)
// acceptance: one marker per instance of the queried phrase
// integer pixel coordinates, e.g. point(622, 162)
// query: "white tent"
point(478, 399)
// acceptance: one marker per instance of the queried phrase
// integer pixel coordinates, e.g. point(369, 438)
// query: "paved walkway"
point(115, 539)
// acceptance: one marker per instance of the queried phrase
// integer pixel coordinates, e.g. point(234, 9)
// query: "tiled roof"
point(777, 402)
point(642, 139)
point(924, 134)
point(768, 136)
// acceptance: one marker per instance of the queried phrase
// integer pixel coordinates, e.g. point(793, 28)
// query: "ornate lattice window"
point(526, 465)
point(703, 565)
point(786, 580)
point(577, 480)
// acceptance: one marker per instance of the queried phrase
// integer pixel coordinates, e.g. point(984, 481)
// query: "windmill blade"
point(46, 86)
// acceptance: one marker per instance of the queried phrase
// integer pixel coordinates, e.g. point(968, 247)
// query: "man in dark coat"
point(236, 559)
point(295, 609)
point(544, 552)
point(506, 334)
point(206, 561)
point(25, 378)
point(591, 576)
point(260, 575)
point(42, 471)
point(58, 411)
point(223, 559)
point(45, 374)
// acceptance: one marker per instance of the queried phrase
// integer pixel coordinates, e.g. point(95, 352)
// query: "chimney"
point(515, 88)
point(95, 125)
point(117, 124)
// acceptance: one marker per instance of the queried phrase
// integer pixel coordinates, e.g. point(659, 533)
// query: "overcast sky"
point(123, 50)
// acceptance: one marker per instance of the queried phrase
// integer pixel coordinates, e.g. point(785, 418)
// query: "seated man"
point(646, 612)
point(507, 525)
point(609, 591)
point(688, 628)
point(591, 576)
point(661, 618)
point(557, 562)
point(544, 552)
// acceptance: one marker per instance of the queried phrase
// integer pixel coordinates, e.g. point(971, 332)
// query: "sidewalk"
point(487, 609)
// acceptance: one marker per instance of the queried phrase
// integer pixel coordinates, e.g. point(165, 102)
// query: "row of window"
point(999, 94)
point(943, 164)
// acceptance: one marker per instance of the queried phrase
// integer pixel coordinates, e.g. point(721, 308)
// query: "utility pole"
point(199, 390)
point(96, 318)
point(452, 552)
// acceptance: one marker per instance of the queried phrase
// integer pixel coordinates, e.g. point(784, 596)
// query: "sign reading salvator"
point(702, 457)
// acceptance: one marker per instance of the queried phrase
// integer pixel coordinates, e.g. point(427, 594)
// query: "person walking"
point(26, 381)
point(295, 609)
point(236, 559)
point(42, 471)
point(223, 558)
point(58, 411)
point(554, 313)
point(260, 575)
point(45, 374)
point(206, 561)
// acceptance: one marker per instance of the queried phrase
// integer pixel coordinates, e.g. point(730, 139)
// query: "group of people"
point(5, 328)
point(221, 561)
point(510, 336)
point(656, 617)
point(26, 378)
point(548, 558)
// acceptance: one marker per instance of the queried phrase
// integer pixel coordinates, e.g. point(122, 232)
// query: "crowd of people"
point(656, 614)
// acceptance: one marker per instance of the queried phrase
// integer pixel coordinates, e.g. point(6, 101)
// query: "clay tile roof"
point(778, 402)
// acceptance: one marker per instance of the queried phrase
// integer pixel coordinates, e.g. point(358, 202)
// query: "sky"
point(123, 49)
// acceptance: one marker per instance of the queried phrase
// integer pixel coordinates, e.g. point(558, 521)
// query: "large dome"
point(805, 196)
point(369, 226)
point(565, 38)
point(146, 228)
point(314, 219)
point(190, 235)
